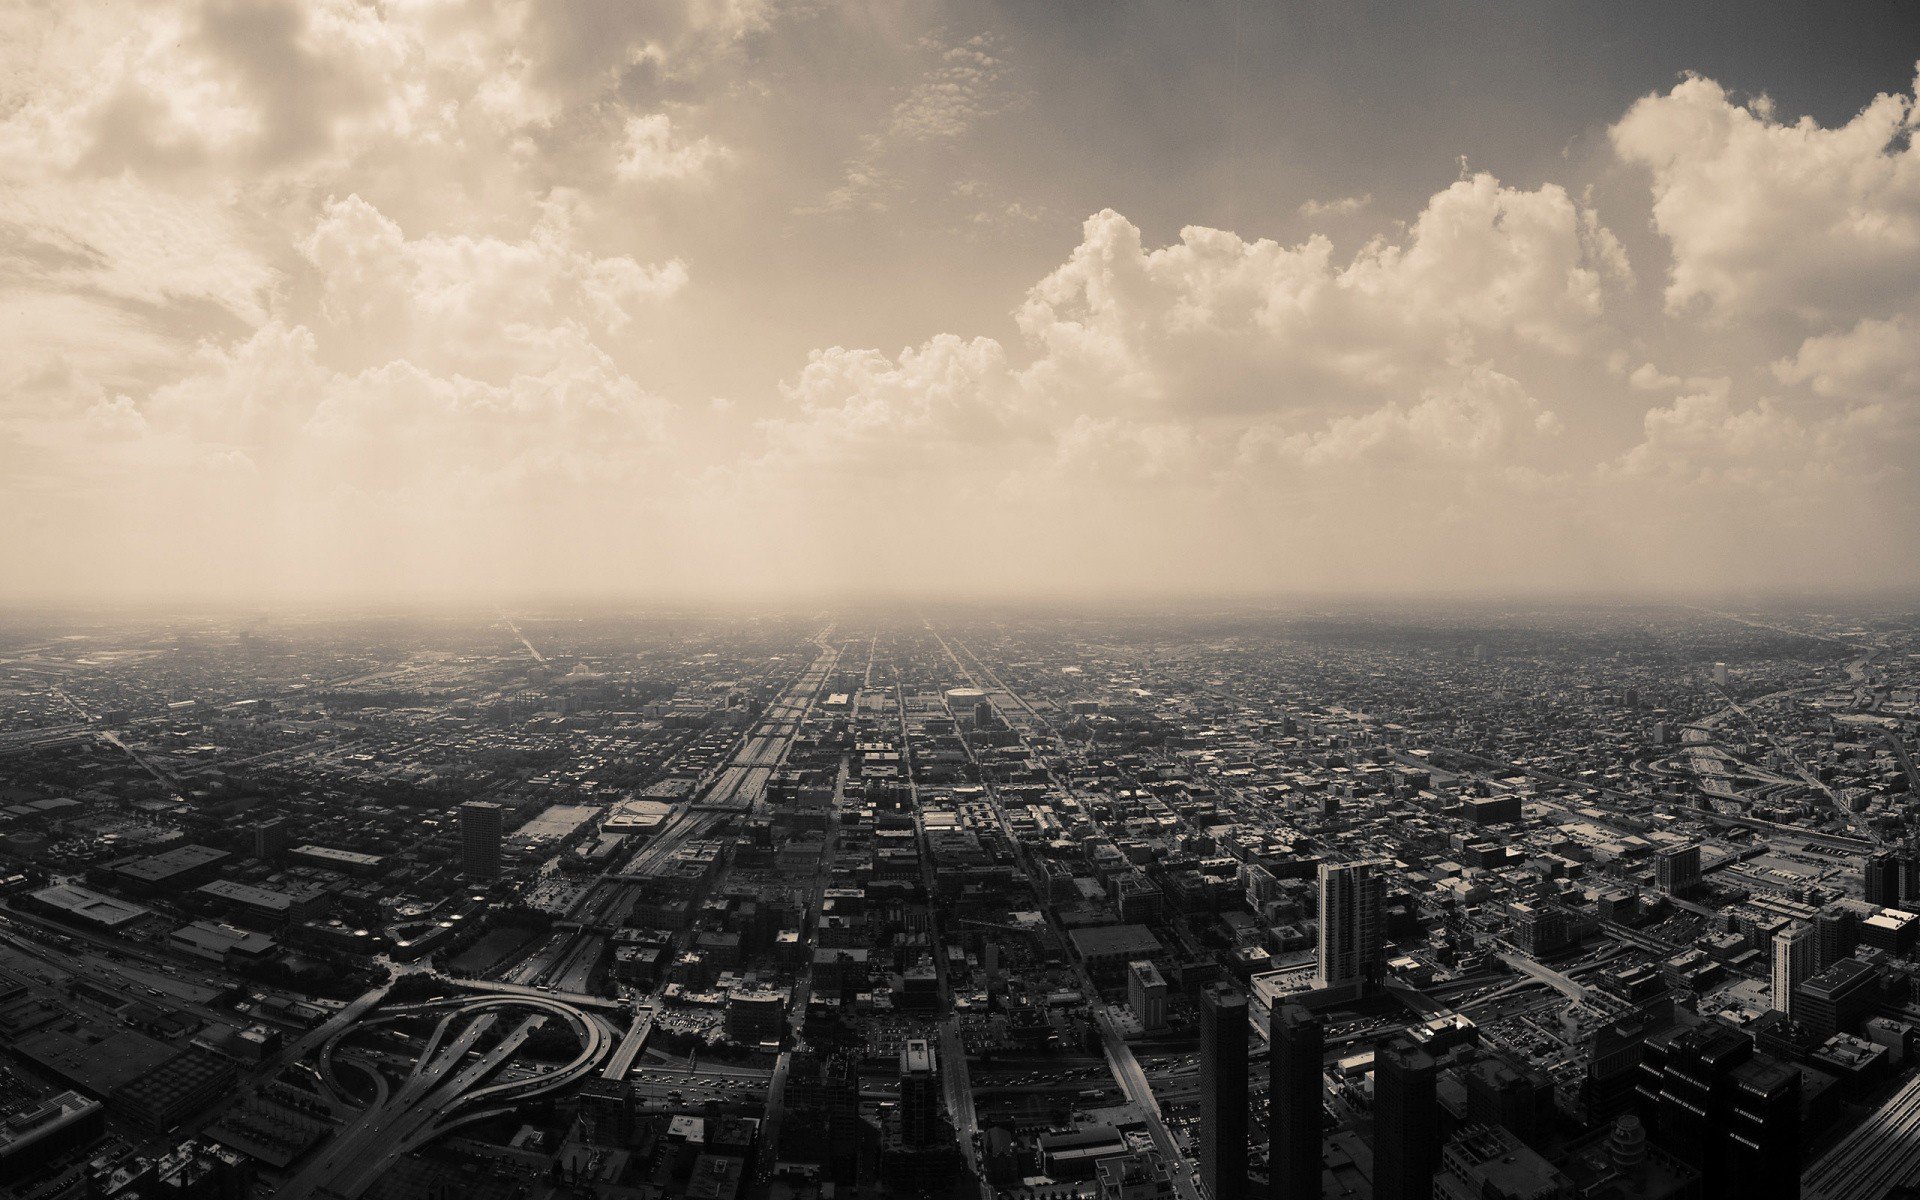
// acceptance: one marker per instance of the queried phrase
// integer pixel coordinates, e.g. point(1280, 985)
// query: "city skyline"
point(753, 299)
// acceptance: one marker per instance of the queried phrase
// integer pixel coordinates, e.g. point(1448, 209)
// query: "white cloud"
point(1769, 217)
point(652, 153)
point(478, 306)
point(1874, 360)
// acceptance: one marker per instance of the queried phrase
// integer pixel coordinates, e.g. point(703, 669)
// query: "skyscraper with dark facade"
point(1295, 1099)
point(1710, 1100)
point(1406, 1121)
point(1677, 870)
point(1882, 879)
point(482, 829)
point(840, 1085)
point(919, 1094)
point(1223, 1092)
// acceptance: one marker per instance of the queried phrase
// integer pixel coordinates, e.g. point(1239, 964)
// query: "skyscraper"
point(840, 1083)
point(482, 828)
point(919, 1094)
point(1406, 1121)
point(1795, 958)
point(1677, 870)
point(1882, 879)
point(1295, 1097)
point(1734, 1114)
point(1223, 1092)
point(271, 838)
point(1353, 901)
point(1147, 995)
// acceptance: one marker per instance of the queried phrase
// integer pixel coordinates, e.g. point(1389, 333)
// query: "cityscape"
point(959, 600)
point(1533, 902)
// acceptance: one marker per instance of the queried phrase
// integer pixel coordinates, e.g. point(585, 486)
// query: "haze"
point(739, 297)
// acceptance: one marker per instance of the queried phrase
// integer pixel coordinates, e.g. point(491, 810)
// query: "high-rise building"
point(1223, 1092)
point(482, 829)
point(1734, 1115)
point(1677, 870)
point(1147, 995)
point(1834, 933)
point(1353, 902)
point(920, 1105)
point(1796, 951)
point(1835, 1000)
point(1720, 675)
point(271, 838)
point(1882, 879)
point(846, 1132)
point(1406, 1121)
point(1296, 1099)
point(1541, 929)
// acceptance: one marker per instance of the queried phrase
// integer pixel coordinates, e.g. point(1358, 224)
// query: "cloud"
point(1766, 217)
point(479, 306)
point(1217, 322)
point(1874, 360)
point(653, 154)
point(1343, 206)
point(962, 89)
point(964, 86)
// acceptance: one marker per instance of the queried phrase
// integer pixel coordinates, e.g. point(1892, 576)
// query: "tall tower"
point(1223, 1092)
point(1295, 1098)
point(840, 1083)
point(1406, 1121)
point(1795, 959)
point(919, 1094)
point(270, 839)
point(1882, 882)
point(1353, 901)
point(1677, 871)
point(482, 829)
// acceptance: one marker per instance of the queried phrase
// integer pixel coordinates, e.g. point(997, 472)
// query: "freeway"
point(621, 1061)
point(1547, 975)
point(495, 987)
point(443, 1081)
point(742, 783)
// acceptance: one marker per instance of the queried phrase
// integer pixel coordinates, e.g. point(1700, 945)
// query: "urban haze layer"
point(1598, 901)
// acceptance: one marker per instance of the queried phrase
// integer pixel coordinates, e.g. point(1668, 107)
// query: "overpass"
point(446, 1087)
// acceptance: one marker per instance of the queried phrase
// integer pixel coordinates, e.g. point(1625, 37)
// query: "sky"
point(793, 298)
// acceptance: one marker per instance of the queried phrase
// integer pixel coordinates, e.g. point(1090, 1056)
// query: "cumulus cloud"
point(480, 306)
point(339, 291)
point(1874, 360)
point(1215, 321)
point(1765, 216)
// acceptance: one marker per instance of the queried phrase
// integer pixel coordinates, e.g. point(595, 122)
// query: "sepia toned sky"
point(765, 298)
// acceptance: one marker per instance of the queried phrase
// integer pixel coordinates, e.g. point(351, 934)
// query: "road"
point(1132, 1079)
point(442, 1082)
point(1125, 1067)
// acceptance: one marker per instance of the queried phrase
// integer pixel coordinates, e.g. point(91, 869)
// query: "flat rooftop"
point(90, 905)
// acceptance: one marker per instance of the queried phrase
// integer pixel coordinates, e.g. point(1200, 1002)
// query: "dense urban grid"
point(1517, 904)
